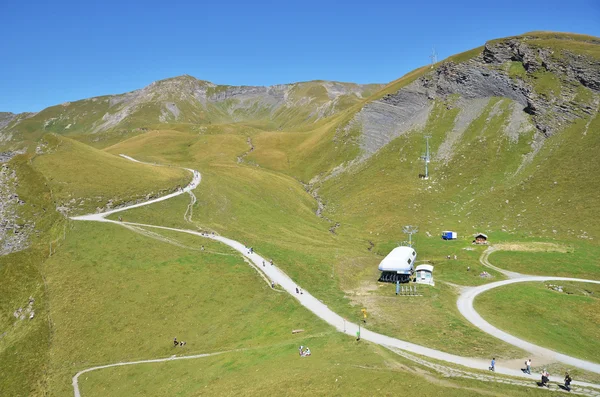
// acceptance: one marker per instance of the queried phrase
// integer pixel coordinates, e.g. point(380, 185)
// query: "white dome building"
point(398, 265)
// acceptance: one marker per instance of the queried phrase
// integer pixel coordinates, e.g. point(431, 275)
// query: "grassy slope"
point(77, 172)
point(372, 202)
point(272, 213)
point(24, 343)
point(338, 367)
point(119, 296)
point(322, 148)
point(130, 303)
point(566, 323)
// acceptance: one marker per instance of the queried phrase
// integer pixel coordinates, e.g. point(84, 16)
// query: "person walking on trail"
point(271, 262)
point(493, 364)
point(568, 381)
point(545, 378)
point(263, 263)
point(528, 365)
point(297, 290)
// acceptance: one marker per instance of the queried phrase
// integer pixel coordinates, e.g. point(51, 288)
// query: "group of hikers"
point(545, 381)
point(304, 352)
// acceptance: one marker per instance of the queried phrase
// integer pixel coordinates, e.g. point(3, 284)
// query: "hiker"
point(201, 248)
point(545, 378)
point(273, 284)
point(568, 381)
point(271, 262)
point(297, 290)
point(263, 263)
point(251, 250)
point(175, 343)
point(493, 364)
point(300, 350)
point(468, 268)
point(528, 366)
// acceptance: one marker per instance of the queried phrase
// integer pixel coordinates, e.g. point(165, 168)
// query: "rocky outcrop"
point(6, 118)
point(6, 156)
point(574, 67)
point(383, 120)
point(472, 80)
point(479, 79)
point(14, 233)
point(550, 111)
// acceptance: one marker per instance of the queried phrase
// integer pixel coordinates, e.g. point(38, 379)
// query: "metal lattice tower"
point(433, 57)
point(410, 230)
point(427, 157)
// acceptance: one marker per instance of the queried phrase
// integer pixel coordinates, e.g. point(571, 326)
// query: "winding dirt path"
point(468, 295)
point(77, 393)
point(465, 303)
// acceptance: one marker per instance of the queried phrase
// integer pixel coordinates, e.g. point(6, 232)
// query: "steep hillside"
point(503, 121)
point(551, 77)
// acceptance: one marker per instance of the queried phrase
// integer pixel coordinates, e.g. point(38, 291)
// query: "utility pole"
point(410, 230)
point(427, 156)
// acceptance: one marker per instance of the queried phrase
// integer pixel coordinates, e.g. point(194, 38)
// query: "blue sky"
point(52, 52)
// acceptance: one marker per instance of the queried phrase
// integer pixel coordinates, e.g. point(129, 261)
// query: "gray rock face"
point(6, 156)
point(477, 80)
point(472, 80)
point(383, 120)
point(469, 110)
point(549, 113)
point(6, 118)
point(575, 67)
point(14, 234)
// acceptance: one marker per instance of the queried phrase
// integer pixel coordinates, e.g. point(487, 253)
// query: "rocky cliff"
point(553, 81)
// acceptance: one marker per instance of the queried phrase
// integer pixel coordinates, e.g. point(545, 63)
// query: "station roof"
point(400, 259)
point(427, 268)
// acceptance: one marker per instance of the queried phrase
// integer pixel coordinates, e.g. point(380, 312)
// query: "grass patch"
point(577, 260)
point(83, 178)
point(567, 323)
point(516, 70)
point(546, 84)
